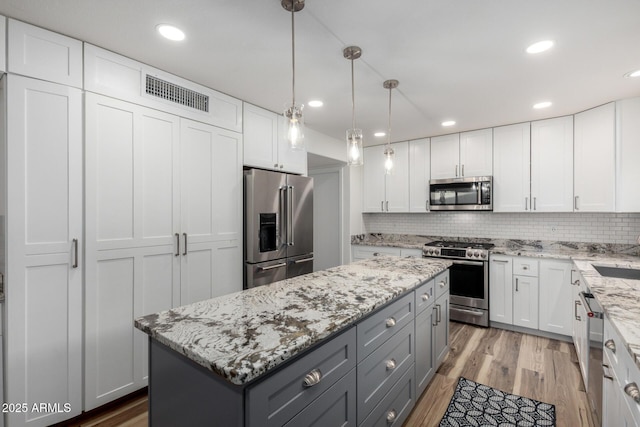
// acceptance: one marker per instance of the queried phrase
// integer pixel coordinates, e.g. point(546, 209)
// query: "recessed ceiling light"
point(170, 32)
point(379, 134)
point(635, 73)
point(540, 46)
point(316, 103)
point(541, 105)
point(448, 123)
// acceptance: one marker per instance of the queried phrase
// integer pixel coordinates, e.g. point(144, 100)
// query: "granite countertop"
point(619, 298)
point(242, 335)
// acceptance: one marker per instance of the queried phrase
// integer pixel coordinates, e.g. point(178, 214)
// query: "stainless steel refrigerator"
point(278, 226)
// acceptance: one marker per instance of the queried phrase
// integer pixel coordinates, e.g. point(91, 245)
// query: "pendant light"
point(354, 135)
point(388, 151)
point(293, 114)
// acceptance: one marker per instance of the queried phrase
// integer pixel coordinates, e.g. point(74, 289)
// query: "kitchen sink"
point(618, 272)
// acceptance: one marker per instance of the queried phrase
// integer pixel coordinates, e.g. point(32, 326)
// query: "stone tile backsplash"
point(623, 228)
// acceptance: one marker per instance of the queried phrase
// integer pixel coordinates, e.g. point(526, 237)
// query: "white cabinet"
point(445, 156)
point(464, 154)
point(42, 54)
point(44, 246)
point(512, 168)
point(265, 143)
point(594, 160)
point(556, 303)
point(163, 228)
point(3, 50)
point(627, 155)
point(552, 165)
point(501, 289)
point(525, 301)
point(513, 291)
point(381, 192)
point(419, 175)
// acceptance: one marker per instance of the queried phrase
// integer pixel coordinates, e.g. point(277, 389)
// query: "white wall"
point(622, 228)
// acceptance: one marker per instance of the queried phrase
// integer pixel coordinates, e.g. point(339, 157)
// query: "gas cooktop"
point(461, 245)
point(459, 250)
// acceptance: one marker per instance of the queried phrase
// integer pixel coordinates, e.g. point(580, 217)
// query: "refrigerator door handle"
point(283, 223)
point(290, 201)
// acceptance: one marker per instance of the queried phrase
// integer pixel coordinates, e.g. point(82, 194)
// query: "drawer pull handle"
point(312, 378)
point(605, 372)
point(611, 345)
point(425, 297)
point(390, 364)
point(376, 254)
point(632, 390)
point(391, 416)
point(575, 310)
point(525, 267)
point(391, 322)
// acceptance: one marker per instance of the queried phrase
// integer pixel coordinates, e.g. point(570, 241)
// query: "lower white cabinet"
point(525, 301)
point(580, 325)
point(501, 289)
point(513, 291)
point(556, 305)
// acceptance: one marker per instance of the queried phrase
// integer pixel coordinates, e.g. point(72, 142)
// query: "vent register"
point(177, 94)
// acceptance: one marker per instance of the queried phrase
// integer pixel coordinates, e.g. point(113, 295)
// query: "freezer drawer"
point(264, 273)
point(298, 266)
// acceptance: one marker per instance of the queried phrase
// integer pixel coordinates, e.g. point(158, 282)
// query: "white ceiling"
point(455, 59)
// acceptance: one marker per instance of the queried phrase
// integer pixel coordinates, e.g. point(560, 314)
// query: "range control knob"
point(476, 254)
point(483, 255)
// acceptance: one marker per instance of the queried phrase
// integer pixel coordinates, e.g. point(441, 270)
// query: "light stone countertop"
point(242, 335)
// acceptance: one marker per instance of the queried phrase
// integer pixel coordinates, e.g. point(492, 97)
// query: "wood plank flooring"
point(534, 367)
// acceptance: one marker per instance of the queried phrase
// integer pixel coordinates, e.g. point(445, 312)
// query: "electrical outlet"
point(638, 240)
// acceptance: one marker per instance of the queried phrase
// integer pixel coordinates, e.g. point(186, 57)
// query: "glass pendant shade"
point(295, 127)
point(354, 147)
point(388, 161)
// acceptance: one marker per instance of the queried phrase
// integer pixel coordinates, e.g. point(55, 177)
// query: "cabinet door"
point(556, 306)
point(594, 160)
point(512, 168)
point(425, 356)
point(397, 183)
point(501, 289)
point(445, 156)
point(419, 174)
point(627, 155)
point(525, 301)
point(289, 160)
point(44, 247)
point(373, 179)
point(441, 329)
point(260, 131)
point(3, 45)
point(552, 165)
point(476, 153)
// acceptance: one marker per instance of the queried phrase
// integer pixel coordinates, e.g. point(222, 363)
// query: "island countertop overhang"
point(243, 335)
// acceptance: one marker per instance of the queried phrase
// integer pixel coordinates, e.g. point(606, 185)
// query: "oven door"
point(469, 283)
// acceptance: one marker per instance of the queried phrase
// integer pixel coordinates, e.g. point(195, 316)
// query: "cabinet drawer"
point(525, 267)
point(365, 252)
point(442, 283)
point(383, 368)
point(396, 406)
point(281, 396)
point(379, 327)
point(425, 296)
point(335, 407)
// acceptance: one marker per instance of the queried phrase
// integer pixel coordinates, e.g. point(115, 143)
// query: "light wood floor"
point(538, 368)
point(534, 367)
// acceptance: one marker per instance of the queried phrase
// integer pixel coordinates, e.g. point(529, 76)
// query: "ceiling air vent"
point(177, 94)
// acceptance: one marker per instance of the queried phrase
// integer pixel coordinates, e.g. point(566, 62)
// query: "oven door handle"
point(476, 313)
point(478, 263)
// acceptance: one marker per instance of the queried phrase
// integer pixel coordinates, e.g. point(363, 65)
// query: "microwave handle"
point(479, 193)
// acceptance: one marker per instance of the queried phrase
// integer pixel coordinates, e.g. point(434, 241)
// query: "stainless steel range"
point(469, 278)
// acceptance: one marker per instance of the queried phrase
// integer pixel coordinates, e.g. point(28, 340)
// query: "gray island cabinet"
point(350, 346)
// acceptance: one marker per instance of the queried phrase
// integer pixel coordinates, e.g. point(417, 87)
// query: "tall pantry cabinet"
point(43, 224)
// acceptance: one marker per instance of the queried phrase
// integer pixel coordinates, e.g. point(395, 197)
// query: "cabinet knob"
point(312, 378)
point(576, 282)
point(632, 391)
point(391, 322)
point(611, 345)
point(275, 165)
point(390, 364)
point(605, 372)
point(442, 284)
point(425, 297)
point(391, 416)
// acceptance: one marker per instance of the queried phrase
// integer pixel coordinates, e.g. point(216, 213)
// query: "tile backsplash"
point(621, 228)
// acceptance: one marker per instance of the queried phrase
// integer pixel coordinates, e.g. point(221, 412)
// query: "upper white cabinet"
point(3, 44)
point(114, 75)
point(627, 155)
point(419, 174)
point(594, 160)
point(464, 154)
point(265, 143)
point(552, 165)
point(512, 168)
point(44, 248)
point(381, 192)
point(42, 54)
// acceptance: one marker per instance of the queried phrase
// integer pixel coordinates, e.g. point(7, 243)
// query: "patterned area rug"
point(476, 404)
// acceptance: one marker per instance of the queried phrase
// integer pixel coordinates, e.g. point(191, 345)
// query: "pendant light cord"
point(389, 130)
point(293, 50)
point(353, 99)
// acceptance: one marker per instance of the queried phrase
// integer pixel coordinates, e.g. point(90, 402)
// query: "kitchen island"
point(207, 357)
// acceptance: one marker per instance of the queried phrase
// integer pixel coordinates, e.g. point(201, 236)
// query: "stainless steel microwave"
point(461, 194)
